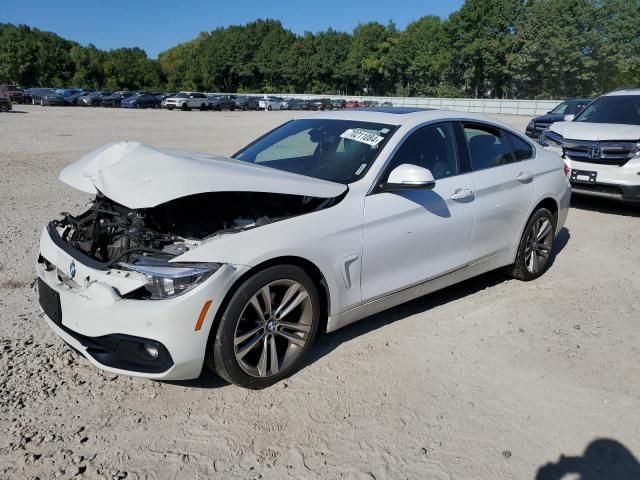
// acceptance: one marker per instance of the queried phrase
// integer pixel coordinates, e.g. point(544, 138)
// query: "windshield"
point(621, 109)
point(336, 150)
point(560, 109)
point(181, 95)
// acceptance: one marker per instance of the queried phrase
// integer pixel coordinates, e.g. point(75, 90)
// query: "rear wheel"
point(203, 107)
point(267, 328)
point(535, 247)
point(4, 107)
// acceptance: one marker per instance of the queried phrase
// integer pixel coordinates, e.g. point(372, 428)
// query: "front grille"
point(599, 188)
point(602, 152)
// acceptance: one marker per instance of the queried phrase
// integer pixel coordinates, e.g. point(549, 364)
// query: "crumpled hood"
point(596, 131)
point(139, 176)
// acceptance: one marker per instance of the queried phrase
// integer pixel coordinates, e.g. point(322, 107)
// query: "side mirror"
point(409, 177)
point(568, 118)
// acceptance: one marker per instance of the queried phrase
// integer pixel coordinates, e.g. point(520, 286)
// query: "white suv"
point(601, 146)
point(187, 101)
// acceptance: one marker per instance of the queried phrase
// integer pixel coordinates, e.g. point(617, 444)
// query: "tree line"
point(488, 48)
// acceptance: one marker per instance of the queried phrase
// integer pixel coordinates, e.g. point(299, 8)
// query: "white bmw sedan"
point(187, 259)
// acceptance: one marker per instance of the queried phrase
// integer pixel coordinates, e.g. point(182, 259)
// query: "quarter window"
point(488, 146)
point(432, 147)
point(521, 149)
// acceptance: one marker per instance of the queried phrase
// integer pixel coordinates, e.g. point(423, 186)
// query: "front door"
point(415, 235)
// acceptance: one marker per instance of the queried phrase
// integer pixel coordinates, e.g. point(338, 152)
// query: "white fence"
point(490, 106)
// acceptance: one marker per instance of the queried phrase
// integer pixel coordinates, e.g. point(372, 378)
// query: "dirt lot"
point(491, 379)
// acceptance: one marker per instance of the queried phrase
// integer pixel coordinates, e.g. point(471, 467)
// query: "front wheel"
point(534, 250)
point(185, 107)
point(267, 328)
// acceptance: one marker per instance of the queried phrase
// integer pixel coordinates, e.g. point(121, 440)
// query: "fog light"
point(151, 350)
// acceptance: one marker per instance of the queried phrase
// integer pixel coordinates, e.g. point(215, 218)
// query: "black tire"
point(519, 269)
point(269, 107)
point(137, 106)
point(203, 107)
point(185, 107)
point(221, 356)
point(4, 108)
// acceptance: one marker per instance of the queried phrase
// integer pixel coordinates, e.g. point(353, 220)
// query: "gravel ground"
point(491, 379)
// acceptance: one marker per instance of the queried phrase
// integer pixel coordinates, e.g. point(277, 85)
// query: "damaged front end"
point(110, 235)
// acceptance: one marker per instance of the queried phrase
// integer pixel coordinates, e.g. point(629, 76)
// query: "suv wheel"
point(185, 107)
point(535, 247)
point(267, 328)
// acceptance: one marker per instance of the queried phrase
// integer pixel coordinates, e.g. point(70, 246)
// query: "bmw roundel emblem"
point(72, 269)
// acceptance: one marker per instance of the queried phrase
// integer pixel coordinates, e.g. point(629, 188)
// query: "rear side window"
point(488, 146)
point(521, 149)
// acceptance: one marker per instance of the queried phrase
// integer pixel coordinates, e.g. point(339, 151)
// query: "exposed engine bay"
point(111, 233)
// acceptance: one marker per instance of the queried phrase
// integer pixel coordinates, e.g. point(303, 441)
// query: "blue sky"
point(155, 27)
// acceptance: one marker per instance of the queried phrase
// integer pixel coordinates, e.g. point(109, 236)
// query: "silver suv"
point(187, 101)
point(601, 146)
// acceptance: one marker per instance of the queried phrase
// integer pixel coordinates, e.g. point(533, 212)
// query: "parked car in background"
point(601, 146)
point(12, 92)
point(115, 99)
point(246, 103)
point(70, 95)
point(271, 103)
point(320, 104)
point(352, 104)
point(52, 98)
point(571, 106)
point(34, 95)
point(5, 104)
point(187, 101)
point(299, 104)
point(236, 263)
point(92, 99)
point(221, 102)
point(338, 104)
point(141, 100)
point(163, 96)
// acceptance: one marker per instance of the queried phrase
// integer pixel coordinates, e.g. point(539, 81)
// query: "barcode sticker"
point(362, 136)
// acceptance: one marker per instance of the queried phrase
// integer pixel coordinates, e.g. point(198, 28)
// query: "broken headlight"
point(168, 280)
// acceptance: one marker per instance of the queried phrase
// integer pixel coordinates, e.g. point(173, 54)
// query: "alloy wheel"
point(273, 328)
point(538, 245)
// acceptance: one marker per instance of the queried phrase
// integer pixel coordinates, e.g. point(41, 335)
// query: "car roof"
point(624, 91)
point(405, 116)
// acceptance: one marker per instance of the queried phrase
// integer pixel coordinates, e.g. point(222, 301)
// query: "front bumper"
point(97, 320)
point(611, 181)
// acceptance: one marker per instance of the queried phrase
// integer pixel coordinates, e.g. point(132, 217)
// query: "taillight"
point(567, 170)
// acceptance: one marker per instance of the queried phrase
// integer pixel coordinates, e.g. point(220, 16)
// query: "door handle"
point(525, 177)
point(462, 194)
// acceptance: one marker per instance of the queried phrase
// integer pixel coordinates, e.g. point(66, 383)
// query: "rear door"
point(503, 175)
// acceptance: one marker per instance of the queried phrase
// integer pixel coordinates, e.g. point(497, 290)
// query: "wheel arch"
point(550, 204)
point(308, 266)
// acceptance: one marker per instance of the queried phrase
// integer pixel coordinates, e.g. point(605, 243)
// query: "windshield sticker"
point(361, 168)
point(362, 136)
point(384, 131)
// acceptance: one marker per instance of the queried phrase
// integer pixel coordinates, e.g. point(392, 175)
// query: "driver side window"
point(432, 147)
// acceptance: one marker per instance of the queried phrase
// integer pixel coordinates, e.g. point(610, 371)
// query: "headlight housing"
point(530, 124)
point(550, 139)
point(169, 280)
